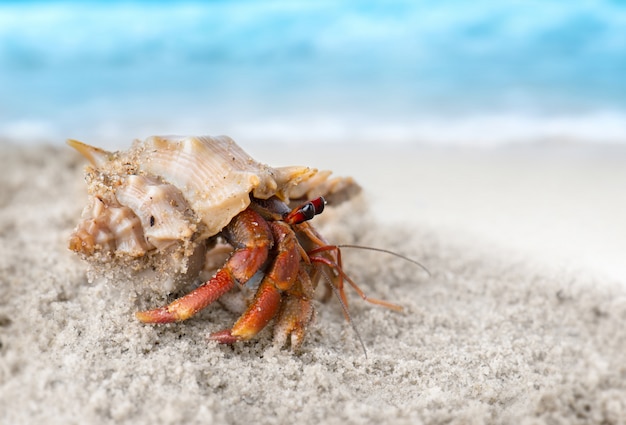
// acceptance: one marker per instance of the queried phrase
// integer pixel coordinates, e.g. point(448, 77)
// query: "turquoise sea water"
point(451, 71)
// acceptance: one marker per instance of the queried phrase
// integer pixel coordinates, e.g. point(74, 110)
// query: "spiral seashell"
point(215, 175)
point(156, 205)
point(110, 228)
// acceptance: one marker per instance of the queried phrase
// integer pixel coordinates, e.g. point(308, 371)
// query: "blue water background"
point(403, 72)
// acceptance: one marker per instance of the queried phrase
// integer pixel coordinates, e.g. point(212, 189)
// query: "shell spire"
point(96, 156)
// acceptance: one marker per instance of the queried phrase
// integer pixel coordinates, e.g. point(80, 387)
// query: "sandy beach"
point(521, 320)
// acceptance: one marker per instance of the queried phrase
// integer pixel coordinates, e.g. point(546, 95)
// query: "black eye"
point(308, 211)
point(305, 212)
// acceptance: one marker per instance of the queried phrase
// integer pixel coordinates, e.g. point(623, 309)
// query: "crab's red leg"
point(296, 312)
point(251, 234)
point(263, 308)
point(185, 307)
point(280, 277)
point(336, 267)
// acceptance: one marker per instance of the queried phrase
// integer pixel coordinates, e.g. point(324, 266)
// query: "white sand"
point(493, 336)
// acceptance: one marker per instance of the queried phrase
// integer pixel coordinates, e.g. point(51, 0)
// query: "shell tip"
point(94, 155)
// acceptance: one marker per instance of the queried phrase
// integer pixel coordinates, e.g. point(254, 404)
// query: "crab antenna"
point(344, 307)
point(386, 251)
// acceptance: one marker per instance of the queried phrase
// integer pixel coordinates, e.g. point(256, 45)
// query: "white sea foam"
point(482, 131)
point(450, 72)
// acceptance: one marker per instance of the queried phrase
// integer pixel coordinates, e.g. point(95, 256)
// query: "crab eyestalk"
point(306, 211)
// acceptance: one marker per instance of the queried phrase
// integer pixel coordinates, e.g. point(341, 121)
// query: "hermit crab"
point(157, 209)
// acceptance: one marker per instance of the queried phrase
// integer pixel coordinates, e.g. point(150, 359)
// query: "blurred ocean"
point(392, 72)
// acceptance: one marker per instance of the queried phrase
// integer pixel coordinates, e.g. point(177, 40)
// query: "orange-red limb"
point(262, 309)
point(287, 261)
point(251, 234)
point(267, 300)
point(185, 307)
point(294, 317)
point(223, 337)
point(296, 312)
point(335, 266)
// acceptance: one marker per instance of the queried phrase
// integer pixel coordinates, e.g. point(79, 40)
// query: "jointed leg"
point(280, 277)
point(252, 237)
point(296, 312)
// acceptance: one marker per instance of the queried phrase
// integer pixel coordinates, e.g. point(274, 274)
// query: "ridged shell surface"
point(154, 206)
point(170, 181)
point(214, 175)
point(161, 208)
point(168, 194)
